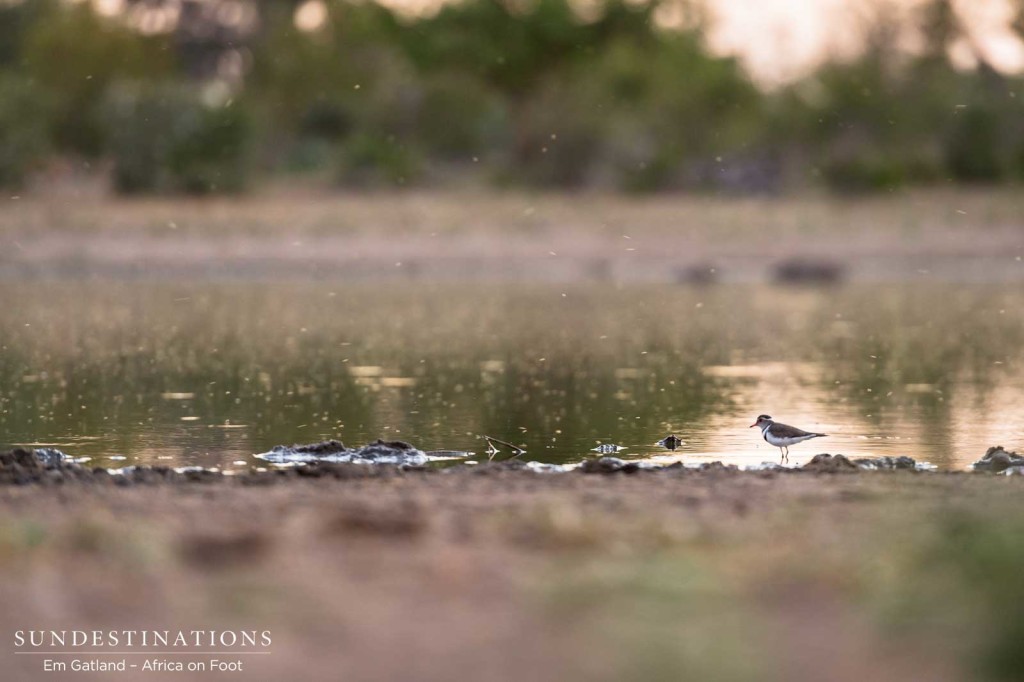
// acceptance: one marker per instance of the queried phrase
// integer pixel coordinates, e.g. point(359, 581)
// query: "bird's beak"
point(752, 425)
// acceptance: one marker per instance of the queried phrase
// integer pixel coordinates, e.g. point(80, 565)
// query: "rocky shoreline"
point(331, 460)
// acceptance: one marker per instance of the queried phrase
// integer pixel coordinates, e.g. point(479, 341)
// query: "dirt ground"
point(496, 573)
point(972, 234)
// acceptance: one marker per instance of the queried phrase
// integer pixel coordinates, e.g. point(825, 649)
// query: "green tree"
point(24, 139)
point(515, 46)
point(76, 55)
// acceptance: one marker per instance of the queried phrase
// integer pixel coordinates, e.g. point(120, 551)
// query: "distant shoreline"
point(950, 235)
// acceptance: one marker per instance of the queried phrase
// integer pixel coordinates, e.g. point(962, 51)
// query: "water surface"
point(170, 372)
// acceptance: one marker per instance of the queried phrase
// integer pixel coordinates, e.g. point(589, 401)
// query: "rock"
point(997, 459)
point(887, 463)
point(22, 466)
point(904, 462)
point(801, 271)
point(717, 466)
point(544, 468)
point(830, 464)
point(54, 477)
point(200, 475)
point(143, 475)
point(602, 465)
point(20, 458)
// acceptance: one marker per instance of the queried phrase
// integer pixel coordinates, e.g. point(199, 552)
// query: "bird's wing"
point(787, 431)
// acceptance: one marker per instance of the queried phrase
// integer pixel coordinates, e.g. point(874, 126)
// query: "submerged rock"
point(333, 451)
point(831, 464)
point(997, 459)
point(670, 442)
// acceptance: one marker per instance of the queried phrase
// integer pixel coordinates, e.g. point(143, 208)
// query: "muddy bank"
point(497, 572)
point(331, 460)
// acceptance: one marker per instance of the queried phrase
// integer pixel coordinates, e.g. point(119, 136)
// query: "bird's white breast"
point(783, 442)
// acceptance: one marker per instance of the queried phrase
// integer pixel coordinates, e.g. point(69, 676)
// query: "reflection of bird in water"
point(782, 435)
point(670, 442)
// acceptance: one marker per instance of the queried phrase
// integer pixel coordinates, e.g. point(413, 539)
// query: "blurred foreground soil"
point(496, 573)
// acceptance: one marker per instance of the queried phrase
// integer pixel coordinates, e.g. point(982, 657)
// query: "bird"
point(782, 435)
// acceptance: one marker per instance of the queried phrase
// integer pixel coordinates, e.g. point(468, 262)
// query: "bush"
point(24, 139)
point(864, 173)
point(377, 159)
point(166, 138)
point(77, 56)
point(973, 146)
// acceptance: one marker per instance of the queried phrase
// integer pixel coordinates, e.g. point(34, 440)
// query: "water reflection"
point(209, 374)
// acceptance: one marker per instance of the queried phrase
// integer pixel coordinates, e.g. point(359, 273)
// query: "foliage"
point(550, 93)
point(23, 134)
point(166, 138)
point(377, 160)
point(76, 56)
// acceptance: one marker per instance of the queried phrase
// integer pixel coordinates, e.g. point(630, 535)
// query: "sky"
point(779, 40)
